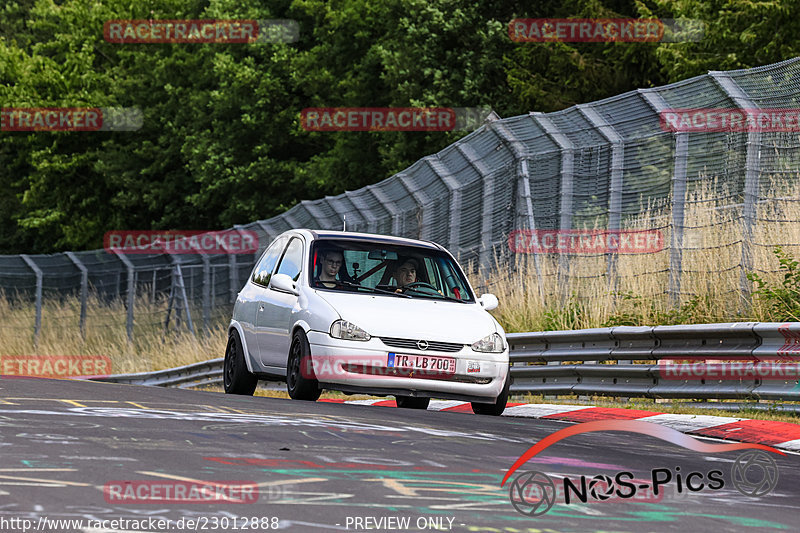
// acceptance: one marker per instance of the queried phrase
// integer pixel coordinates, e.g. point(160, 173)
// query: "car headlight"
point(342, 329)
point(491, 343)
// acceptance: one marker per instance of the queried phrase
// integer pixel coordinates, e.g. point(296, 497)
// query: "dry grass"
point(152, 348)
point(583, 297)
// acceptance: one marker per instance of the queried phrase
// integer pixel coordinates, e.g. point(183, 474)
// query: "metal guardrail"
point(194, 375)
point(600, 362)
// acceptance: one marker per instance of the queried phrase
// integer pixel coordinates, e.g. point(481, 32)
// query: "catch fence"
point(709, 207)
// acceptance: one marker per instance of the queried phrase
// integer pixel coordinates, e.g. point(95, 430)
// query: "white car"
point(369, 314)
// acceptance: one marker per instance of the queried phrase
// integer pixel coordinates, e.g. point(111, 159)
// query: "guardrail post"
point(37, 326)
point(131, 291)
point(615, 184)
point(751, 179)
point(84, 290)
point(658, 104)
point(567, 185)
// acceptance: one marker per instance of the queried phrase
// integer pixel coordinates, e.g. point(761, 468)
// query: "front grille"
point(411, 344)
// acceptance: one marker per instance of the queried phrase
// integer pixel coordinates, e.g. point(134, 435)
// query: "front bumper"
point(354, 366)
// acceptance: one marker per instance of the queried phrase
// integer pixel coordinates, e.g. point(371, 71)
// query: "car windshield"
point(393, 270)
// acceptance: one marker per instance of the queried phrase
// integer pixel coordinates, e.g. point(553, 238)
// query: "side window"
point(263, 271)
point(292, 261)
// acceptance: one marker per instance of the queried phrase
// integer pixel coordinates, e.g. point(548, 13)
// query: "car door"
point(275, 311)
point(252, 296)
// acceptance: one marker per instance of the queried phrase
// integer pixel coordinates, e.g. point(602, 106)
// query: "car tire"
point(412, 402)
point(299, 386)
point(496, 408)
point(235, 376)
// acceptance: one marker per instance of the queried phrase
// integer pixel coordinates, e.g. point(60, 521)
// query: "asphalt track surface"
point(334, 467)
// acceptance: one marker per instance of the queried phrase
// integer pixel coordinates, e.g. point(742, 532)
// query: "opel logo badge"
point(422, 345)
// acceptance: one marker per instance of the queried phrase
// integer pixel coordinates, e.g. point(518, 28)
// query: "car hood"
point(417, 318)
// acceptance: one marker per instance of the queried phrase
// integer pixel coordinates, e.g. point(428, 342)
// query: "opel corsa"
point(368, 314)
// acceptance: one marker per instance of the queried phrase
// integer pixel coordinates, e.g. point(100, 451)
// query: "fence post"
point(131, 291)
point(485, 255)
point(389, 204)
point(454, 192)
point(206, 291)
point(751, 178)
point(423, 202)
point(178, 290)
point(525, 193)
point(269, 233)
point(567, 149)
point(182, 288)
point(84, 290)
point(615, 183)
point(315, 212)
point(233, 277)
point(679, 189)
point(524, 213)
point(364, 210)
point(341, 209)
point(37, 327)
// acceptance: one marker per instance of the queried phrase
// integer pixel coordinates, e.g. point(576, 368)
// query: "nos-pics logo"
point(754, 473)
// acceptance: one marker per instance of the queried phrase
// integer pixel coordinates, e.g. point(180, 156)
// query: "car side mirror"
point(283, 283)
point(488, 301)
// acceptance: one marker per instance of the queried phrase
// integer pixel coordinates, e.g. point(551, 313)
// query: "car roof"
point(371, 237)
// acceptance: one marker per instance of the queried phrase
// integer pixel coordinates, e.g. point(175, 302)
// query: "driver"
point(406, 273)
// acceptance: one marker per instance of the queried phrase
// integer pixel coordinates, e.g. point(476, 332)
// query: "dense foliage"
point(222, 142)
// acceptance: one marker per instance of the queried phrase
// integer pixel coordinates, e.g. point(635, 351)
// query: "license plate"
point(427, 363)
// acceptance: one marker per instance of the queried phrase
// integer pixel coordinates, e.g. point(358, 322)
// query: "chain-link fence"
point(704, 200)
